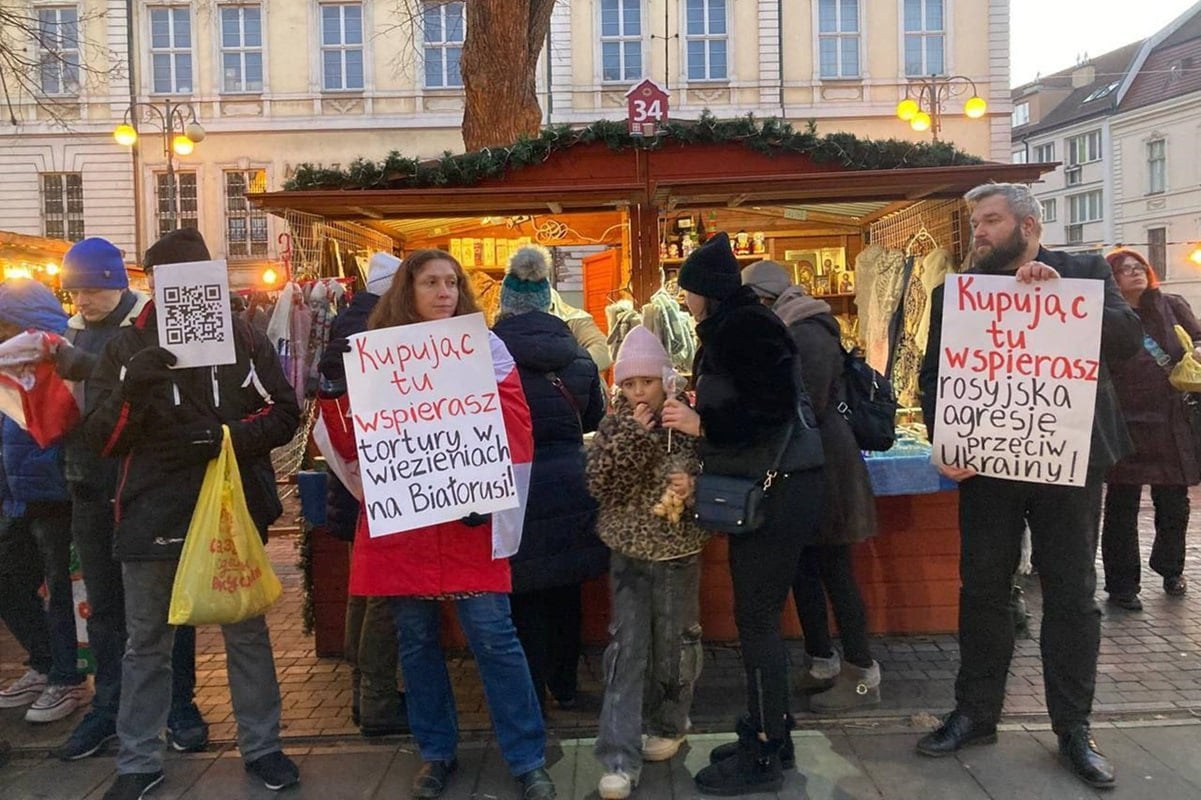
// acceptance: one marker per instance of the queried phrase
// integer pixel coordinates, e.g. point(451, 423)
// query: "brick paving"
point(1150, 667)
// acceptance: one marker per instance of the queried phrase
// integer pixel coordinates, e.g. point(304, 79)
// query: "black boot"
point(743, 726)
point(755, 767)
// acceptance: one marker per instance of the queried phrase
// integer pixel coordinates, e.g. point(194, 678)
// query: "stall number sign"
point(646, 108)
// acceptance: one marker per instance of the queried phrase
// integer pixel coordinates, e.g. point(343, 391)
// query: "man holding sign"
point(1019, 402)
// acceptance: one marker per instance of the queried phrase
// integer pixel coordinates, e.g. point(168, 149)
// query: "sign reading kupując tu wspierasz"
point(1017, 377)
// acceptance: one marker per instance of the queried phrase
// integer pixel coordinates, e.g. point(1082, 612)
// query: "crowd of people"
point(122, 485)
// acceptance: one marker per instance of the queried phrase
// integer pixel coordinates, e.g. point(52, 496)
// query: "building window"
point(241, 49)
point(58, 42)
point(245, 227)
point(171, 49)
point(1044, 153)
point(62, 205)
point(1157, 167)
point(925, 32)
point(838, 38)
point(1083, 148)
point(1050, 209)
point(342, 47)
point(1020, 115)
point(1084, 207)
point(1157, 251)
point(1074, 234)
point(621, 40)
point(443, 28)
point(185, 197)
point(1019, 156)
point(706, 40)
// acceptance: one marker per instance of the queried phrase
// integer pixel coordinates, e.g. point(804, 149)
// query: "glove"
point(330, 366)
point(146, 371)
point(192, 444)
point(474, 520)
point(72, 363)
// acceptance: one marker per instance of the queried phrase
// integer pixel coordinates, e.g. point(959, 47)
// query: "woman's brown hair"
point(396, 306)
point(1116, 258)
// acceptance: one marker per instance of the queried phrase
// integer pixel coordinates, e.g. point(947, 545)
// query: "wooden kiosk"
point(627, 200)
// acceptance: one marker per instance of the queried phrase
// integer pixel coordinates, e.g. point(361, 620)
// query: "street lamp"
point(181, 131)
point(924, 98)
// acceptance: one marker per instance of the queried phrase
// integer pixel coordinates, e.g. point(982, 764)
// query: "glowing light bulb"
point(921, 121)
point(52, 269)
point(182, 145)
point(125, 135)
point(907, 109)
point(1195, 256)
point(269, 276)
point(975, 107)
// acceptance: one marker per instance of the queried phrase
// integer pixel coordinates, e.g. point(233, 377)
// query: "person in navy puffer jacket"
point(35, 538)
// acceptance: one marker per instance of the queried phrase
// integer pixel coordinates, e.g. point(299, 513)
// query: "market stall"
point(870, 227)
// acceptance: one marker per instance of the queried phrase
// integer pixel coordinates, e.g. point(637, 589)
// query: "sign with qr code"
point(195, 320)
point(428, 424)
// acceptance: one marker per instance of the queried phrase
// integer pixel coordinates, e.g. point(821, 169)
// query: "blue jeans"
point(488, 625)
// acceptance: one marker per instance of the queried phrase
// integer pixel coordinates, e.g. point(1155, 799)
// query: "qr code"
point(193, 313)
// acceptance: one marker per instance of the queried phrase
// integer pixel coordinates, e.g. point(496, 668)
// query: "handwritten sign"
point(195, 319)
point(1017, 377)
point(428, 424)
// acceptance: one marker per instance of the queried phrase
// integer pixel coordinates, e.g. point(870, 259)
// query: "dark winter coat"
point(559, 546)
point(850, 509)
point(628, 471)
point(28, 473)
point(1164, 453)
point(1121, 338)
point(154, 505)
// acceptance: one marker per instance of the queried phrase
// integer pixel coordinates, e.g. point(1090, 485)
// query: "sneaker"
point(275, 770)
point(614, 786)
point(187, 731)
point(661, 748)
point(57, 702)
point(89, 736)
point(133, 785)
point(24, 690)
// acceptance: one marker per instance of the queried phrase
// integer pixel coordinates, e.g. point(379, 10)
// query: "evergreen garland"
point(769, 136)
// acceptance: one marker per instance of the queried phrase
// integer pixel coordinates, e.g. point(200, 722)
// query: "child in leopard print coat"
point(635, 466)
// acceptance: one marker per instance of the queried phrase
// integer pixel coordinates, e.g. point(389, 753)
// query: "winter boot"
point(743, 727)
point(755, 767)
point(819, 674)
point(856, 687)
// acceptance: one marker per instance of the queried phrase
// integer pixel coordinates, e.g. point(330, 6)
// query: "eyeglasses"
point(1131, 269)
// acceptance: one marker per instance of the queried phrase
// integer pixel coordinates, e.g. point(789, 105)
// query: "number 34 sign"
point(646, 107)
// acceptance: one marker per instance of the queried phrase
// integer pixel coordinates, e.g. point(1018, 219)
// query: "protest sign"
point(1017, 377)
point(428, 423)
point(195, 320)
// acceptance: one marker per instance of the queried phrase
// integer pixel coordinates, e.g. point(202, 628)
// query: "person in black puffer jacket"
point(559, 546)
point(746, 400)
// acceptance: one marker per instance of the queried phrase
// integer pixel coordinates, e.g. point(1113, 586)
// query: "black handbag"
point(734, 504)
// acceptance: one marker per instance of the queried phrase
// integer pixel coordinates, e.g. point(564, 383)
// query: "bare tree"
point(499, 64)
point(44, 59)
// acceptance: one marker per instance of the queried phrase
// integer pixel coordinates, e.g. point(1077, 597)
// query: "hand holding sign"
point(1033, 271)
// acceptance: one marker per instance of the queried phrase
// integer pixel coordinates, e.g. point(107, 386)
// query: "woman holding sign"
point(1164, 457)
point(455, 561)
point(746, 405)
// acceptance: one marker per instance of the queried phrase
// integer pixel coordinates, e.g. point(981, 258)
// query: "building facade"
point(278, 83)
point(1125, 127)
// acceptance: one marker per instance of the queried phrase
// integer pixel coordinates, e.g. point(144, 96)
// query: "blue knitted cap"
point(28, 304)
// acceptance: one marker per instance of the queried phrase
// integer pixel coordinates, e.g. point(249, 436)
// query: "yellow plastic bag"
point(1186, 375)
point(223, 574)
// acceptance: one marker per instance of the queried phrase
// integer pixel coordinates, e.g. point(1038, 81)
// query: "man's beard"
point(1001, 257)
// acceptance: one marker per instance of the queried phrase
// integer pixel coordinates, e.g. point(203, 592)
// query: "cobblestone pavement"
point(1150, 668)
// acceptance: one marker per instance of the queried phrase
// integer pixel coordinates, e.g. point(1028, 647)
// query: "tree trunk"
point(500, 59)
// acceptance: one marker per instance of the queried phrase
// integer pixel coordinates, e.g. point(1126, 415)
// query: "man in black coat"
point(166, 425)
point(1006, 228)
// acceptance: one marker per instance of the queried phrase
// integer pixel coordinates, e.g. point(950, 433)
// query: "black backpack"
point(870, 404)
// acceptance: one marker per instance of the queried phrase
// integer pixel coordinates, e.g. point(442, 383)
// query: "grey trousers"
point(146, 673)
point(653, 659)
point(372, 651)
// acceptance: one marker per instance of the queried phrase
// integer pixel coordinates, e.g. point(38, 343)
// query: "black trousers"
point(825, 570)
point(1064, 524)
point(762, 569)
point(548, 626)
point(1119, 535)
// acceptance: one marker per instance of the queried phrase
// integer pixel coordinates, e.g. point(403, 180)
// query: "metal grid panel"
point(945, 220)
point(325, 249)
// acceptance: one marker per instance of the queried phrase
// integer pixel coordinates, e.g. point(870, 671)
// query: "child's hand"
point(682, 484)
point(644, 416)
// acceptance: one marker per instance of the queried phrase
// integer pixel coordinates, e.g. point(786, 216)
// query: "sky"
point(1047, 35)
